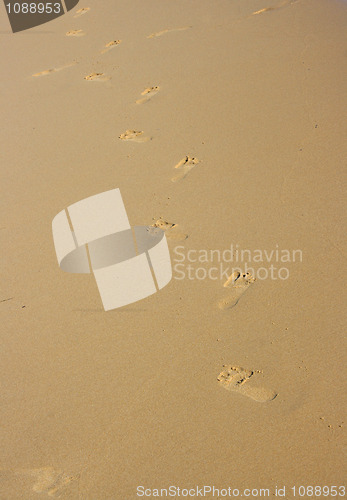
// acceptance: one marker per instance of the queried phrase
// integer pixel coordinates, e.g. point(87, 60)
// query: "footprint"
point(235, 378)
point(82, 11)
point(46, 72)
point(134, 135)
point(148, 94)
point(53, 70)
point(279, 6)
point(160, 33)
point(184, 167)
point(267, 9)
point(238, 280)
point(239, 283)
point(110, 46)
point(75, 33)
point(49, 480)
point(99, 77)
point(171, 230)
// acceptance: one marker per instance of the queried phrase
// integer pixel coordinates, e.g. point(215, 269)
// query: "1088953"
point(24, 14)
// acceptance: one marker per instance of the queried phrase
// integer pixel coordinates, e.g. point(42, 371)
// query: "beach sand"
point(237, 386)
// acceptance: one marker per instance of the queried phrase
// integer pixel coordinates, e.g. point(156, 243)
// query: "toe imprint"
point(184, 167)
point(236, 379)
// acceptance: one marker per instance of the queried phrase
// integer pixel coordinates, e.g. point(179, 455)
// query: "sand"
point(223, 121)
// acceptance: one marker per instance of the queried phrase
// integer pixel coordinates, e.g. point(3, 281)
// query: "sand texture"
point(221, 122)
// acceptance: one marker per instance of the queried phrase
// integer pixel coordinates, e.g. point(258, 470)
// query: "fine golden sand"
point(222, 123)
